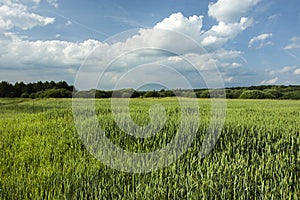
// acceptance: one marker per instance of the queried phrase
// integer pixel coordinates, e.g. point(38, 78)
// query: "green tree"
point(152, 93)
point(6, 89)
point(256, 94)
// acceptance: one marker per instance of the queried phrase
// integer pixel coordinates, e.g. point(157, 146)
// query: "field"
point(256, 157)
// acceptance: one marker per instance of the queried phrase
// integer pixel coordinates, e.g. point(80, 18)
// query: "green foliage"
point(203, 94)
point(257, 155)
point(42, 90)
point(54, 93)
point(152, 93)
point(32, 96)
point(102, 94)
point(6, 89)
point(25, 95)
point(276, 93)
point(291, 95)
point(233, 94)
point(23, 90)
point(167, 93)
point(256, 94)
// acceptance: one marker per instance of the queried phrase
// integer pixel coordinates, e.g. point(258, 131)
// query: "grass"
point(256, 157)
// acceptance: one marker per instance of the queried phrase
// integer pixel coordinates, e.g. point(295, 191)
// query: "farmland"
point(256, 157)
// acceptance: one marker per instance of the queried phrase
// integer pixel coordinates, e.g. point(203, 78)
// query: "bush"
point(152, 94)
point(233, 94)
point(274, 92)
point(54, 93)
point(256, 94)
point(291, 95)
point(168, 93)
point(203, 94)
point(32, 96)
point(25, 95)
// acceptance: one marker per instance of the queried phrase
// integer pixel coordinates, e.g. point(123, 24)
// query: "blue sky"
point(250, 42)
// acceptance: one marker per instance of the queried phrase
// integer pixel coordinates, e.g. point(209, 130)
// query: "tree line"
point(39, 89)
point(61, 89)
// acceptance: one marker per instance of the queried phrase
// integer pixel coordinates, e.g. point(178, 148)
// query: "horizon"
point(155, 88)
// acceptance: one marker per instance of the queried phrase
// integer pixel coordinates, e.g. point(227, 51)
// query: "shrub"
point(25, 95)
point(54, 93)
point(274, 92)
point(203, 94)
point(256, 94)
point(291, 95)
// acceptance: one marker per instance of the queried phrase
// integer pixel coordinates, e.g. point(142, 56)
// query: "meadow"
point(256, 157)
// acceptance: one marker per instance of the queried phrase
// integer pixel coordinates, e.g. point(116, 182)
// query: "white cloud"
point(287, 74)
point(270, 82)
point(175, 58)
point(219, 34)
point(297, 72)
point(18, 53)
point(190, 26)
point(68, 23)
point(236, 65)
point(229, 79)
point(231, 30)
point(284, 70)
point(294, 44)
point(274, 17)
point(53, 3)
point(53, 55)
point(228, 65)
point(230, 11)
point(17, 15)
point(226, 54)
point(36, 1)
point(260, 40)
point(287, 69)
point(213, 41)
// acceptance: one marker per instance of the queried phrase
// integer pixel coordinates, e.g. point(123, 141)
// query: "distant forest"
point(61, 89)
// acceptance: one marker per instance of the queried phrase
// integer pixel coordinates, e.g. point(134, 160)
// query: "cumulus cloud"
point(230, 11)
point(231, 30)
point(54, 3)
point(232, 20)
point(226, 54)
point(297, 72)
point(287, 69)
point(17, 15)
point(32, 53)
point(229, 79)
point(211, 40)
point(260, 40)
point(172, 47)
point(219, 34)
point(287, 74)
point(270, 82)
point(190, 26)
point(23, 52)
point(284, 70)
point(36, 1)
point(294, 44)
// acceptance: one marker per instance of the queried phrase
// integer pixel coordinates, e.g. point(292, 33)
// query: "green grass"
point(256, 157)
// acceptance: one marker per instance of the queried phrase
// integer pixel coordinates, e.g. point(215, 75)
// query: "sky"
point(175, 43)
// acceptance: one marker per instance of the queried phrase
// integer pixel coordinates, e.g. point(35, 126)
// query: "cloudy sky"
point(117, 42)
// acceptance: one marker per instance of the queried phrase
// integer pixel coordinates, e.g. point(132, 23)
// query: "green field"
point(256, 157)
